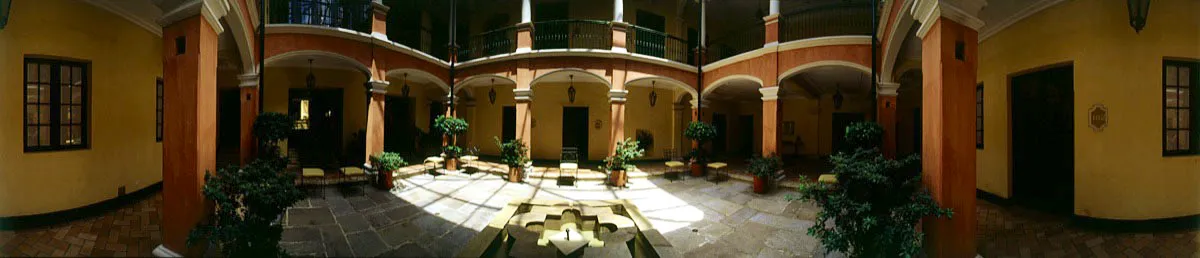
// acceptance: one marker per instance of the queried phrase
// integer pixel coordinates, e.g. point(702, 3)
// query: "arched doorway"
point(324, 95)
point(570, 113)
point(414, 100)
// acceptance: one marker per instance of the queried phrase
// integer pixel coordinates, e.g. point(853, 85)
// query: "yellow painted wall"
point(125, 61)
point(487, 122)
point(657, 120)
point(1120, 173)
point(548, 100)
point(354, 116)
point(804, 113)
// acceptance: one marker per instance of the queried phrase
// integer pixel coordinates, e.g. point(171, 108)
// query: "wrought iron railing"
point(572, 34)
point(347, 14)
point(649, 42)
point(823, 21)
point(495, 42)
point(749, 38)
point(421, 39)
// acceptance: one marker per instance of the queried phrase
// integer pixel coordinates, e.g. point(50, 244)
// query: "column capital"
point(379, 7)
point(248, 80)
point(617, 96)
point(962, 11)
point(523, 95)
point(702, 103)
point(211, 10)
point(889, 88)
point(378, 86)
point(769, 93)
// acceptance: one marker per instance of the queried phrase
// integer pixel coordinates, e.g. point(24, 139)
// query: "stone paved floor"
point(132, 230)
point(1013, 231)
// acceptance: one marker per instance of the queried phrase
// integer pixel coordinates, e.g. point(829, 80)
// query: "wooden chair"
point(313, 178)
point(569, 160)
point(675, 164)
point(355, 175)
point(472, 156)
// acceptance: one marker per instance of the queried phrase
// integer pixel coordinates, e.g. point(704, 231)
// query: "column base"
point(162, 251)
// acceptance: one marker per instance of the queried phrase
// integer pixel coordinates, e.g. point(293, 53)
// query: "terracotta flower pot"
point(451, 164)
point(514, 174)
point(618, 178)
point(760, 185)
point(386, 180)
point(697, 169)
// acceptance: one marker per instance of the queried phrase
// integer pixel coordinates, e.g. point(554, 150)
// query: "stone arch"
point(723, 80)
point(467, 81)
point(678, 84)
point(801, 68)
point(366, 71)
point(537, 79)
point(399, 73)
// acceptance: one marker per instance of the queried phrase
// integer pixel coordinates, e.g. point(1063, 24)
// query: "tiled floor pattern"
point(132, 230)
point(1013, 231)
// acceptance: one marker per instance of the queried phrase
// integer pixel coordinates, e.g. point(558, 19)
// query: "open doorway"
point(721, 125)
point(229, 127)
point(1043, 142)
point(508, 127)
point(575, 130)
point(317, 134)
point(400, 126)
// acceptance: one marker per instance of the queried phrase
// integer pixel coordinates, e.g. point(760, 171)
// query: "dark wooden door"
point(399, 123)
point(840, 122)
point(575, 130)
point(508, 126)
point(720, 123)
point(1043, 137)
point(746, 135)
point(319, 138)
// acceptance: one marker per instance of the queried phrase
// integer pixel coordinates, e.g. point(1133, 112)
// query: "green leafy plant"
point(452, 151)
point(700, 132)
point(269, 129)
point(450, 126)
point(765, 166)
point(627, 150)
point(873, 209)
point(645, 139)
point(389, 161)
point(512, 153)
point(248, 200)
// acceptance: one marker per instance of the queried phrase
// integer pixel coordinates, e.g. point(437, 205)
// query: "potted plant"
point(892, 190)
point(699, 133)
point(513, 154)
point(764, 169)
point(450, 127)
point(387, 163)
point(626, 151)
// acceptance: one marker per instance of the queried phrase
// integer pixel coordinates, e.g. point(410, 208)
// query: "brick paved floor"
point(1013, 231)
point(132, 230)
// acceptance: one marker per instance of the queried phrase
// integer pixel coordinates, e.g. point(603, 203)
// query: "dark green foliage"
point(452, 151)
point(450, 126)
point(700, 132)
point(272, 127)
point(627, 150)
point(248, 200)
point(512, 153)
point(388, 161)
point(873, 209)
point(645, 139)
point(765, 167)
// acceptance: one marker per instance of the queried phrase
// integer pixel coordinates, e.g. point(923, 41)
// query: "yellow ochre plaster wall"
point(549, 98)
point(125, 60)
point(1120, 172)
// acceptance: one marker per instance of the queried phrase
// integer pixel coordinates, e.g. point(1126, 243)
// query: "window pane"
point(44, 94)
point(1185, 98)
point(1185, 140)
point(64, 137)
point(64, 93)
point(64, 75)
point(31, 71)
point(44, 73)
point(31, 93)
point(66, 113)
point(1172, 97)
point(1172, 118)
point(77, 132)
point(1172, 76)
point(44, 135)
point(44, 114)
point(1172, 139)
point(1185, 76)
point(77, 75)
point(77, 95)
point(31, 136)
point(1185, 118)
point(31, 114)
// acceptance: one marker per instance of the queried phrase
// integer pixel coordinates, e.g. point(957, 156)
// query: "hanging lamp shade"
point(571, 89)
point(492, 92)
point(838, 98)
point(404, 90)
point(1138, 11)
point(653, 94)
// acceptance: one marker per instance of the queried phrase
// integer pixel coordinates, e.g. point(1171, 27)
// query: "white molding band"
point(788, 46)
point(146, 23)
point(769, 93)
point(617, 96)
point(378, 86)
point(1030, 10)
point(889, 88)
point(353, 35)
point(523, 94)
point(961, 11)
point(211, 10)
point(608, 53)
point(379, 7)
point(248, 80)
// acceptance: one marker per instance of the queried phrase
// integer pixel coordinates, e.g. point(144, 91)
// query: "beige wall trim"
point(248, 80)
point(145, 23)
point(379, 86)
point(708, 89)
point(603, 53)
point(366, 71)
point(211, 10)
point(399, 73)
point(825, 41)
point(896, 40)
point(737, 58)
point(242, 36)
point(1016, 17)
point(353, 35)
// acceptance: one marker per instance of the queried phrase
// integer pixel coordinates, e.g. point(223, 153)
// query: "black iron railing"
point(347, 14)
point(823, 21)
point(495, 42)
point(421, 39)
point(649, 42)
point(749, 38)
point(572, 34)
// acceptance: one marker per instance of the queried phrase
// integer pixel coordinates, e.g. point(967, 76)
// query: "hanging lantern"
point(1138, 10)
point(404, 90)
point(653, 95)
point(571, 90)
point(492, 92)
point(310, 81)
point(838, 98)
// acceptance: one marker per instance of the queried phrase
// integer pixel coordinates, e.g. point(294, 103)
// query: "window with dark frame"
point(1179, 114)
point(979, 116)
point(56, 105)
point(158, 109)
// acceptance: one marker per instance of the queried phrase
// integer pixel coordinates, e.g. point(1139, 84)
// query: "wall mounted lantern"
point(404, 90)
point(492, 92)
point(653, 95)
point(1138, 10)
point(571, 89)
point(838, 98)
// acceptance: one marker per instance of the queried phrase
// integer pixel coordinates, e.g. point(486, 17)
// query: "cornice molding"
point(1030, 10)
point(961, 11)
point(889, 88)
point(211, 10)
point(146, 23)
point(788, 46)
point(378, 39)
point(604, 53)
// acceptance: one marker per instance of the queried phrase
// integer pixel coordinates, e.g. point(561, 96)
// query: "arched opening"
point(570, 113)
point(487, 103)
point(652, 117)
point(819, 102)
point(326, 97)
point(734, 106)
point(908, 113)
point(413, 100)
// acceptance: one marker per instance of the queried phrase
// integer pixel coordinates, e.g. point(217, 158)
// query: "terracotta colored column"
point(524, 37)
point(379, 19)
point(616, 100)
point(772, 23)
point(375, 118)
point(770, 120)
point(948, 61)
point(249, 112)
point(523, 95)
point(887, 116)
point(189, 132)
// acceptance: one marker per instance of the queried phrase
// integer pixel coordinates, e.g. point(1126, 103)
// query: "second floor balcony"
point(352, 15)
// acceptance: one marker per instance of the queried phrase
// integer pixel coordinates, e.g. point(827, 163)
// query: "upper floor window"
point(158, 109)
point(979, 116)
point(1180, 136)
point(56, 104)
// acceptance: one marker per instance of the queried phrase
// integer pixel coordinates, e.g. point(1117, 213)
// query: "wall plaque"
point(1098, 117)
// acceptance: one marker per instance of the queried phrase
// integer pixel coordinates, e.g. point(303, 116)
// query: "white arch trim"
point(799, 69)
point(671, 81)
point(399, 73)
point(318, 53)
point(721, 82)
point(900, 31)
point(463, 84)
point(564, 70)
point(242, 35)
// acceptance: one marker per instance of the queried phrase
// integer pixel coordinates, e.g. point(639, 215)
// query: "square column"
point(616, 100)
point(524, 37)
point(190, 131)
point(886, 110)
point(249, 112)
point(949, 43)
point(375, 118)
point(770, 120)
point(379, 19)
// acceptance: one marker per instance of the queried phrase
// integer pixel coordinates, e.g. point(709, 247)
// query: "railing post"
point(379, 19)
point(772, 23)
point(524, 37)
point(619, 32)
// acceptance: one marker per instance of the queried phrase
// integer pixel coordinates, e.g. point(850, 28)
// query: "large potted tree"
point(764, 169)
point(619, 163)
point(699, 133)
point(387, 163)
point(886, 194)
point(450, 127)
point(513, 154)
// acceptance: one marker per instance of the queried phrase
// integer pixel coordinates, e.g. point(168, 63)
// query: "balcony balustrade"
point(494, 42)
point(649, 42)
point(421, 39)
point(744, 40)
point(560, 34)
point(346, 14)
point(823, 21)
